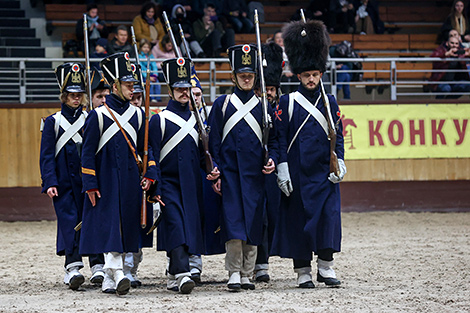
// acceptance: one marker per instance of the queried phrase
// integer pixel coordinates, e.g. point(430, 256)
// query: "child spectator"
point(100, 52)
point(164, 50)
point(144, 53)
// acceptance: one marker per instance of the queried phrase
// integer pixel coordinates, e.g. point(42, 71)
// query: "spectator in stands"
point(341, 51)
point(144, 53)
point(316, 10)
point(341, 12)
point(287, 75)
point(236, 13)
point(96, 28)
point(164, 50)
point(148, 25)
point(447, 77)
point(120, 42)
point(178, 16)
point(367, 18)
point(190, 7)
point(457, 20)
point(100, 52)
point(210, 33)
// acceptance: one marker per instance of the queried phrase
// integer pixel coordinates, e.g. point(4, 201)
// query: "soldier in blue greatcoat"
point(272, 70)
point(111, 177)
point(179, 155)
point(236, 146)
point(309, 219)
point(60, 171)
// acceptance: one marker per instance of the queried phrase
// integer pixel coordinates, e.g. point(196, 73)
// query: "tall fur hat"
point(272, 53)
point(306, 45)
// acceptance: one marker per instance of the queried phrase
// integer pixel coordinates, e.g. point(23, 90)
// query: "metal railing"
point(32, 79)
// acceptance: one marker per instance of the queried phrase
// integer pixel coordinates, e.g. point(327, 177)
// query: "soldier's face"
point(99, 97)
point(181, 94)
point(245, 81)
point(271, 92)
point(137, 99)
point(197, 95)
point(74, 99)
point(127, 89)
point(310, 79)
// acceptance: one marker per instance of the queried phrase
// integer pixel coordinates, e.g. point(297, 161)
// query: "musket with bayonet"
point(188, 55)
point(137, 60)
point(203, 134)
point(334, 166)
point(267, 123)
point(87, 62)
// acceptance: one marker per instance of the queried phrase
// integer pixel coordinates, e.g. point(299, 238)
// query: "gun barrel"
point(87, 61)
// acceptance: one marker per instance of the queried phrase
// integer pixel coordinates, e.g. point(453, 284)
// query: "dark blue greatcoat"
point(179, 184)
point(113, 225)
point(63, 172)
point(240, 159)
point(310, 218)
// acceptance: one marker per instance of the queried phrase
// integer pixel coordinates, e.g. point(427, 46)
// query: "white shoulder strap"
point(224, 107)
point(162, 122)
point(139, 118)
point(99, 115)
point(57, 116)
point(290, 109)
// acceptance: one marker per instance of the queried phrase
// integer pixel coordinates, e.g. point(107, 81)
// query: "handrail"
point(22, 82)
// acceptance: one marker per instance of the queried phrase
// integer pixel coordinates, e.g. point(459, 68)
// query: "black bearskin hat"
point(272, 53)
point(306, 45)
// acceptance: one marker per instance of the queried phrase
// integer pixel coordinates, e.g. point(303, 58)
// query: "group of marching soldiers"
point(258, 198)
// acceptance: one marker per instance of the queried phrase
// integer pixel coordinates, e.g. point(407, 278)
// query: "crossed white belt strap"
point(114, 128)
point(311, 109)
point(70, 130)
point(186, 128)
point(243, 112)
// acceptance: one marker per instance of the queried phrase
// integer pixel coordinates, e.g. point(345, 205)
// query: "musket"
point(267, 123)
point(334, 166)
point(87, 61)
point(143, 211)
point(137, 60)
point(203, 135)
point(188, 55)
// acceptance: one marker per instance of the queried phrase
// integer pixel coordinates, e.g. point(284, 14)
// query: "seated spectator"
point(446, 78)
point(341, 17)
point(210, 33)
point(457, 20)
point(178, 17)
point(120, 42)
point(99, 53)
point(192, 8)
point(236, 13)
point(96, 28)
point(148, 25)
point(316, 10)
point(287, 75)
point(367, 18)
point(144, 53)
point(164, 50)
point(344, 50)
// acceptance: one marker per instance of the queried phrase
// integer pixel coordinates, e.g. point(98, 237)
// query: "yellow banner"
point(406, 131)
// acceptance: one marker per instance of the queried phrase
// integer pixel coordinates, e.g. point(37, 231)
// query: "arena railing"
point(26, 80)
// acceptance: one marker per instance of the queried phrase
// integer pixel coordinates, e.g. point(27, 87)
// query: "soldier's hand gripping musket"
point(267, 123)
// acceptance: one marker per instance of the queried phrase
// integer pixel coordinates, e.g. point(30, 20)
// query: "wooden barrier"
point(20, 140)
